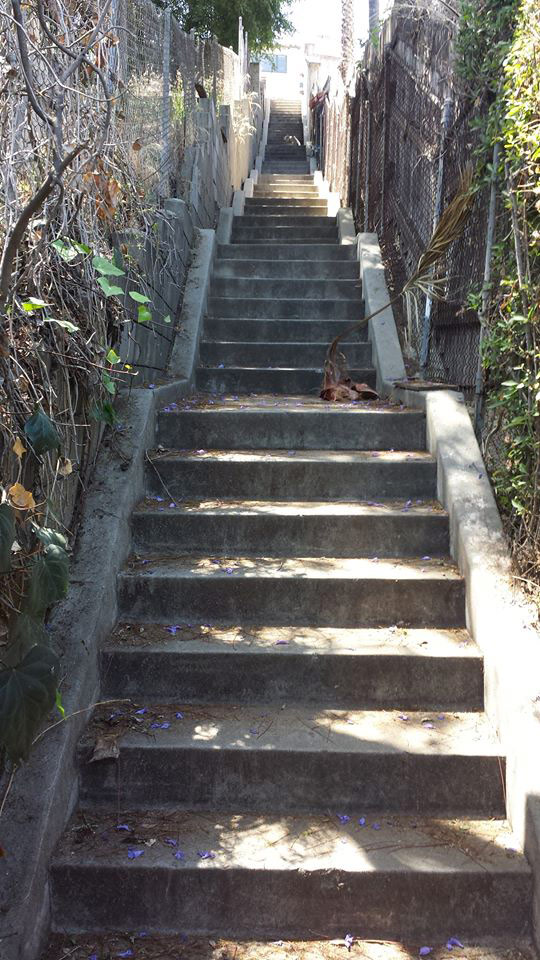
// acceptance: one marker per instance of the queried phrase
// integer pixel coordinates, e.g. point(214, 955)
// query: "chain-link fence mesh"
point(396, 152)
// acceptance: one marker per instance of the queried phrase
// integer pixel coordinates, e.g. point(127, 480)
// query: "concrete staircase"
point(307, 752)
point(285, 149)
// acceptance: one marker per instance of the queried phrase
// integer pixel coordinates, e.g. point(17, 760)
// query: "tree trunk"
point(373, 19)
point(347, 39)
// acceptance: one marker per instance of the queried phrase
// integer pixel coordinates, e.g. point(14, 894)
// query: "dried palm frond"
point(422, 281)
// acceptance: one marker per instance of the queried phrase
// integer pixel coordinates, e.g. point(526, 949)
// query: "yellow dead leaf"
point(65, 467)
point(20, 498)
point(18, 448)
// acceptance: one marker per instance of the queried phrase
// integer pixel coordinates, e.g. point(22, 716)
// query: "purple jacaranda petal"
point(426, 558)
point(174, 629)
point(113, 716)
point(125, 953)
point(123, 826)
point(376, 826)
point(404, 717)
point(441, 717)
point(159, 499)
point(254, 731)
point(172, 506)
point(179, 855)
point(179, 715)
point(343, 818)
point(361, 821)
point(201, 451)
point(165, 725)
point(221, 366)
point(143, 933)
point(170, 842)
point(206, 854)
point(140, 712)
point(93, 956)
point(428, 725)
point(229, 570)
point(454, 942)
point(424, 951)
point(135, 854)
point(349, 940)
point(151, 386)
point(281, 643)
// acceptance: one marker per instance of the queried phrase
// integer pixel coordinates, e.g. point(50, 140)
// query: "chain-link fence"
point(396, 152)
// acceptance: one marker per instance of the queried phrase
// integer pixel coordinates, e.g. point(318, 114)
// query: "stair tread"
point(295, 508)
point(304, 456)
point(296, 728)
point(291, 843)
point(416, 642)
point(270, 403)
point(308, 568)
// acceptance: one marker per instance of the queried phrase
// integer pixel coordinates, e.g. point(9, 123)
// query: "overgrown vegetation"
point(498, 63)
point(264, 20)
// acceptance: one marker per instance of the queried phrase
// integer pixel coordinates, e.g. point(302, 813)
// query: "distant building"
point(296, 69)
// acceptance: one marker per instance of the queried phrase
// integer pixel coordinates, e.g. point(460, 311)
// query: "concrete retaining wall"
point(498, 619)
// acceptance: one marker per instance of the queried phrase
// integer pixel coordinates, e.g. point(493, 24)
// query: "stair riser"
point(405, 535)
point(311, 253)
point(291, 331)
point(238, 380)
point(279, 354)
point(306, 178)
point(292, 480)
point(273, 222)
point(277, 430)
point(257, 903)
point(241, 234)
point(286, 212)
point(282, 289)
point(297, 309)
point(343, 682)
point(286, 193)
point(294, 270)
point(328, 602)
point(289, 167)
point(258, 780)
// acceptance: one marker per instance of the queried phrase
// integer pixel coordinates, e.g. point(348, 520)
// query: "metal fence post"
point(166, 107)
point(368, 169)
point(486, 291)
point(426, 328)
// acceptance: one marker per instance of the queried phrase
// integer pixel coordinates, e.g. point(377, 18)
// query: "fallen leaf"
point(20, 498)
point(106, 748)
point(65, 467)
point(18, 448)
point(136, 145)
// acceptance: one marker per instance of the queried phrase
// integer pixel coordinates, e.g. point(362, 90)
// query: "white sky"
point(323, 18)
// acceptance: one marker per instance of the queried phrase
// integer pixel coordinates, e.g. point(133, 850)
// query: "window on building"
point(275, 64)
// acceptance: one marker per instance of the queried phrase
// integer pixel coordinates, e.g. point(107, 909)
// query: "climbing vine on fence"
point(498, 57)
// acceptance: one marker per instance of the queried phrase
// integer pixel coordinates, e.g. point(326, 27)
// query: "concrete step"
point(295, 759)
point(329, 592)
point(261, 354)
point(285, 152)
point(286, 308)
point(291, 475)
point(287, 251)
point(258, 208)
point(271, 221)
point(296, 331)
point(282, 876)
point(278, 423)
point(393, 529)
point(155, 948)
point(380, 669)
point(292, 269)
point(282, 288)
point(296, 234)
point(278, 190)
point(278, 380)
point(274, 166)
point(279, 178)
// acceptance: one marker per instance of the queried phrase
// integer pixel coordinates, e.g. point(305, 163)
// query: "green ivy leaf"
point(112, 357)
point(69, 249)
point(48, 581)
point(107, 267)
point(109, 289)
point(59, 705)
point(50, 537)
point(108, 383)
point(167, 319)
point(144, 315)
point(24, 634)
point(34, 303)
point(27, 693)
point(138, 297)
point(41, 432)
point(7, 536)
point(103, 413)
point(70, 327)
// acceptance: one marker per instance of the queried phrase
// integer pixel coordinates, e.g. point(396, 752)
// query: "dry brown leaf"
point(65, 467)
point(20, 498)
point(106, 748)
point(136, 145)
point(18, 448)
